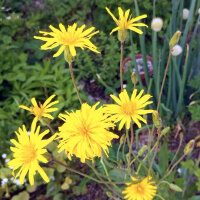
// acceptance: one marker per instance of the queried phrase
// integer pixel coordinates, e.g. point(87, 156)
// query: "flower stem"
point(175, 164)
point(77, 172)
point(121, 66)
point(163, 82)
point(73, 80)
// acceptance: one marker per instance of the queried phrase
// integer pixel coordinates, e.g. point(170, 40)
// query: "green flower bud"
point(134, 78)
point(165, 131)
point(68, 56)
point(142, 150)
point(189, 147)
point(122, 35)
point(175, 187)
point(156, 119)
point(121, 141)
point(174, 40)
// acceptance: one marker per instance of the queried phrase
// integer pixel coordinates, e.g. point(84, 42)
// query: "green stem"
point(77, 172)
point(179, 146)
point(73, 80)
point(154, 156)
point(165, 74)
point(121, 66)
point(175, 164)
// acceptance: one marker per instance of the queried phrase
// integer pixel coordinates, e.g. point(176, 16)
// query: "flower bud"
point(174, 40)
point(186, 13)
point(157, 24)
point(165, 131)
point(189, 147)
point(122, 139)
point(177, 50)
point(156, 119)
point(122, 35)
point(199, 10)
point(134, 78)
point(175, 187)
point(142, 150)
point(68, 56)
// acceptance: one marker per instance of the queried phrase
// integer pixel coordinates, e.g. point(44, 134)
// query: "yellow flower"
point(126, 22)
point(85, 132)
point(68, 39)
point(143, 190)
point(28, 152)
point(129, 109)
point(43, 109)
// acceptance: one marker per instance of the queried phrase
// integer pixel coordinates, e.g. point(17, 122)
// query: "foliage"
point(26, 72)
point(181, 68)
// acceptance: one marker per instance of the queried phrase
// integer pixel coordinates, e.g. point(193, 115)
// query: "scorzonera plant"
point(88, 133)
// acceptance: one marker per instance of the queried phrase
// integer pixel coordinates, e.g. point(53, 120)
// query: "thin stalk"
point(157, 143)
point(108, 177)
point(165, 74)
point(105, 183)
point(179, 146)
point(118, 150)
point(155, 67)
point(123, 149)
point(73, 80)
point(132, 138)
point(175, 164)
point(154, 156)
point(180, 99)
point(77, 172)
point(135, 63)
point(143, 48)
point(121, 66)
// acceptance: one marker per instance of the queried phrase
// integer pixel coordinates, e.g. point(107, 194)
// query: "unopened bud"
point(134, 78)
point(174, 40)
point(199, 10)
point(181, 136)
point(157, 24)
point(177, 50)
point(68, 56)
point(156, 119)
point(186, 13)
point(175, 187)
point(189, 147)
point(122, 35)
point(142, 150)
point(121, 141)
point(109, 194)
point(165, 131)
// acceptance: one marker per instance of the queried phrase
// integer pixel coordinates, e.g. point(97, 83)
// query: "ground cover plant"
point(80, 122)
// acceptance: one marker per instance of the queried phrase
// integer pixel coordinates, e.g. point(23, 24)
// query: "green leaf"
point(22, 195)
point(163, 158)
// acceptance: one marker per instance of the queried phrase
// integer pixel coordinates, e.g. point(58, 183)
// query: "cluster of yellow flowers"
point(85, 133)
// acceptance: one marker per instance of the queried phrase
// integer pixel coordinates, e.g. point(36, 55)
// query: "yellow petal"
point(60, 50)
point(48, 100)
point(112, 15)
point(136, 30)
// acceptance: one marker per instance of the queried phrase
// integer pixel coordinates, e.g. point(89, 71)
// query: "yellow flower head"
point(43, 109)
point(85, 132)
point(28, 152)
point(129, 109)
point(143, 190)
point(68, 39)
point(126, 22)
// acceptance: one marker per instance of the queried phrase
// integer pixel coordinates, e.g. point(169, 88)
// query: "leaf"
point(163, 158)
point(22, 195)
point(195, 111)
point(175, 187)
point(117, 174)
point(5, 172)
